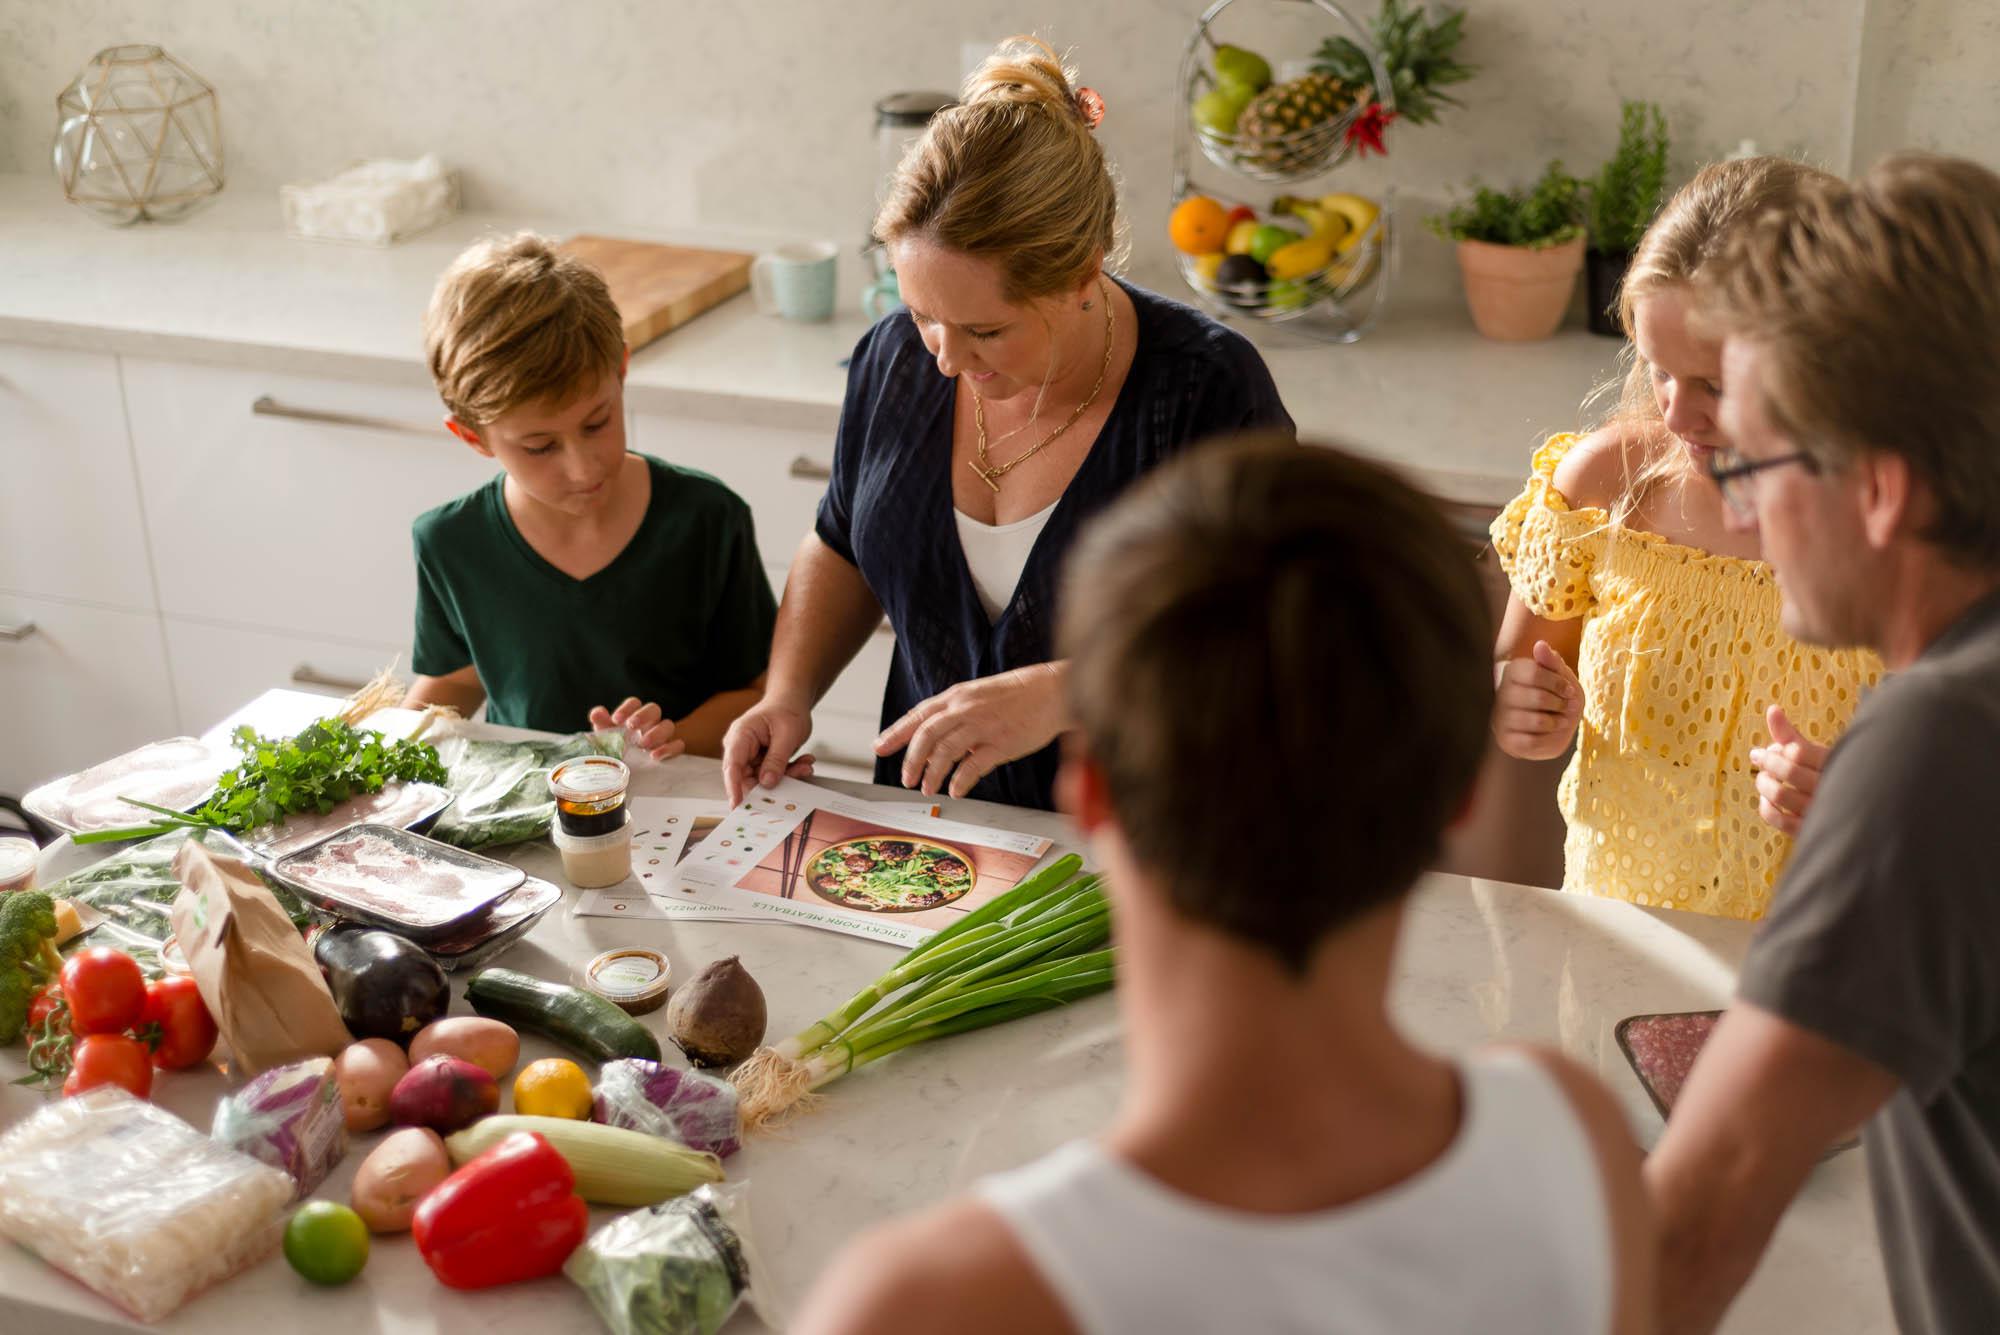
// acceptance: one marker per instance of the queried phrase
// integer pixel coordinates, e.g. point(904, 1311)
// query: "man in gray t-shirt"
point(1861, 381)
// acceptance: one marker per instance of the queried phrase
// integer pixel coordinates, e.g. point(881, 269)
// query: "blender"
point(900, 119)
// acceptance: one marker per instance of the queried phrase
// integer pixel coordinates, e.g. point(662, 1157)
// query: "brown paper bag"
point(253, 968)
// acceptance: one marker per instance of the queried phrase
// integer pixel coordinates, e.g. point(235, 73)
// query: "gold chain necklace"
point(983, 466)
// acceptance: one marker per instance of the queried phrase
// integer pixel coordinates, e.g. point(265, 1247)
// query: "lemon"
point(552, 1087)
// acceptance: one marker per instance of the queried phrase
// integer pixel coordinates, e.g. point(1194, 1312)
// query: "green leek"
point(1042, 944)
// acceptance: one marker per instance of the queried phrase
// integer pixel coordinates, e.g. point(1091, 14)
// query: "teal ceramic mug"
point(795, 281)
point(882, 296)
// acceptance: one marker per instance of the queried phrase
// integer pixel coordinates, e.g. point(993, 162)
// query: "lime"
point(326, 1242)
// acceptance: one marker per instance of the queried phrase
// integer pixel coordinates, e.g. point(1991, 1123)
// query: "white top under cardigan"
point(997, 554)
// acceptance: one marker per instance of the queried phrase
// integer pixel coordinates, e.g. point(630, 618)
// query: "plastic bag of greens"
point(678, 1268)
point(134, 891)
point(502, 788)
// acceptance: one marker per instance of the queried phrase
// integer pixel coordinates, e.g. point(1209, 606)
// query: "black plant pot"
point(1604, 272)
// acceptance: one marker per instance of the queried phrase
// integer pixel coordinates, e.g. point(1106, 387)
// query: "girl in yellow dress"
point(1623, 562)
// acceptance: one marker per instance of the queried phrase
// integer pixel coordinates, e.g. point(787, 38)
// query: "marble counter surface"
point(227, 286)
point(1480, 961)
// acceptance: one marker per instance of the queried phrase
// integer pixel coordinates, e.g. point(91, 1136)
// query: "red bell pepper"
point(510, 1214)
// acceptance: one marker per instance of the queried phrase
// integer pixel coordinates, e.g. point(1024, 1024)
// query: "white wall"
point(1928, 79)
point(672, 112)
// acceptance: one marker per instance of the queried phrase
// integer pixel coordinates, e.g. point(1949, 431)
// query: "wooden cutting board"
point(658, 288)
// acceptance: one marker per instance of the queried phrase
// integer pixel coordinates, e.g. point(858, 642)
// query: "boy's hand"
point(960, 735)
point(755, 747)
point(1536, 705)
point(644, 723)
point(1787, 773)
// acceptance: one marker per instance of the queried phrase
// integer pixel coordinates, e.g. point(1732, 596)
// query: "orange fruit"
point(1198, 225)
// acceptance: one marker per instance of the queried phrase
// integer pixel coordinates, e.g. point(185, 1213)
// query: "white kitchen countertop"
point(228, 286)
point(1480, 961)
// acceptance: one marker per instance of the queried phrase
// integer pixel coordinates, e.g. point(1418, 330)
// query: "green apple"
point(1287, 293)
point(1268, 240)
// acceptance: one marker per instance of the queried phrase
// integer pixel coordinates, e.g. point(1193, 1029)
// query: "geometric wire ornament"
point(138, 135)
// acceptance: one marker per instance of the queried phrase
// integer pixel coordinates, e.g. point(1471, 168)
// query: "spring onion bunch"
point(1042, 944)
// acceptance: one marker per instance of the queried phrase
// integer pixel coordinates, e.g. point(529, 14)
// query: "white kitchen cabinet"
point(779, 472)
point(217, 668)
point(70, 522)
point(284, 503)
point(78, 684)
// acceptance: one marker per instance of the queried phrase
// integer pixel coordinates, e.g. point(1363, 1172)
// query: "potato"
point(366, 1073)
point(443, 1093)
point(396, 1175)
point(488, 1044)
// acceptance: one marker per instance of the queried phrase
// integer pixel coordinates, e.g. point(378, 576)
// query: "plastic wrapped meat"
point(176, 774)
point(402, 805)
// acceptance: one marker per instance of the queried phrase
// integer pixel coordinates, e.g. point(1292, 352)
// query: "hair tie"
point(1090, 106)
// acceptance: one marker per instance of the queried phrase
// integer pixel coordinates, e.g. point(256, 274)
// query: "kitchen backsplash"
point(757, 113)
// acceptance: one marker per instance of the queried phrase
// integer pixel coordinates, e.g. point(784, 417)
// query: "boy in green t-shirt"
point(583, 574)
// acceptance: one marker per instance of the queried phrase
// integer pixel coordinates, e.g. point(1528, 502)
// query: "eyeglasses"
point(1733, 476)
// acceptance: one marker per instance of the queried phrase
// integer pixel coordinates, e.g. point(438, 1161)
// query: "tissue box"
point(372, 203)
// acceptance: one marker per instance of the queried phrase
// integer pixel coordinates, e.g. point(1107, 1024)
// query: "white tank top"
point(997, 554)
point(1507, 1233)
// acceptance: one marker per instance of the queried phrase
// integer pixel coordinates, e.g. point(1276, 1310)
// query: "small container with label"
point(17, 864)
point(593, 861)
point(590, 795)
point(635, 978)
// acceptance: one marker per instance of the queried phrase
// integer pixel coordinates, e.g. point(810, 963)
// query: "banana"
point(1359, 214)
point(1302, 258)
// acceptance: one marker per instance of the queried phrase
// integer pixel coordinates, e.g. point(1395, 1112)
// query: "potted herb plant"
point(1518, 251)
point(1623, 199)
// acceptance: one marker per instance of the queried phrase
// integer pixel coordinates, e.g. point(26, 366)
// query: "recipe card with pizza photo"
point(810, 855)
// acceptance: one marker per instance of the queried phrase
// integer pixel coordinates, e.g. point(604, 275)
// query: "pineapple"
point(1284, 109)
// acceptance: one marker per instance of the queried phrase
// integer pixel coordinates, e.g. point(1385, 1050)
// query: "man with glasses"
point(1861, 383)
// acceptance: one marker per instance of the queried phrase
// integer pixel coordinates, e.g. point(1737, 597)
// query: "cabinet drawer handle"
point(808, 469)
point(16, 630)
point(266, 406)
point(305, 674)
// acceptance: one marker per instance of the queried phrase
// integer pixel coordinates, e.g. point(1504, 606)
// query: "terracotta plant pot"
point(1518, 293)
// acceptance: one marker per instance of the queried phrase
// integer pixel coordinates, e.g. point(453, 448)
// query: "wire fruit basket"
point(1341, 300)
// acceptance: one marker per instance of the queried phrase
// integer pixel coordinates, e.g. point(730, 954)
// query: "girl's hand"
point(958, 737)
point(761, 746)
point(1787, 773)
point(1536, 704)
point(644, 722)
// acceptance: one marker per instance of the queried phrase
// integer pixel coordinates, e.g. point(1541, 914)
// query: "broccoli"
point(27, 955)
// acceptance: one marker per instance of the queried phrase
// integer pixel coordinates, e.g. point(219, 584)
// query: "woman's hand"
point(645, 723)
point(760, 747)
point(958, 737)
point(1788, 773)
point(1536, 705)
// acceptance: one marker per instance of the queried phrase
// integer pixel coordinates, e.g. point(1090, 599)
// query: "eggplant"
point(386, 986)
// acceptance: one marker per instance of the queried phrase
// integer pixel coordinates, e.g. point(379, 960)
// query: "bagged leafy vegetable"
point(289, 1118)
point(503, 787)
point(695, 1109)
point(134, 890)
point(679, 1268)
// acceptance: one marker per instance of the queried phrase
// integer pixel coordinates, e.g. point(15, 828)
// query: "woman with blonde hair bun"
point(1021, 391)
point(1644, 624)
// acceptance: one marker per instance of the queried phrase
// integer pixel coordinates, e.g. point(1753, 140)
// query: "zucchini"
point(571, 1016)
point(613, 1166)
